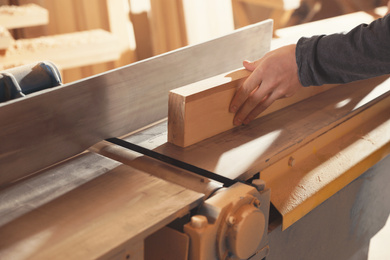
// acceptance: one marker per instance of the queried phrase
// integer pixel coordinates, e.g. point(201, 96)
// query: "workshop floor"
point(380, 244)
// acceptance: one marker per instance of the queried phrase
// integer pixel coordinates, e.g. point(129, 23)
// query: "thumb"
point(251, 66)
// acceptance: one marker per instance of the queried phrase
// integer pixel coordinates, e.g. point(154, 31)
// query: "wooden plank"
point(89, 47)
point(306, 152)
point(201, 110)
point(108, 217)
point(78, 115)
point(12, 17)
point(241, 152)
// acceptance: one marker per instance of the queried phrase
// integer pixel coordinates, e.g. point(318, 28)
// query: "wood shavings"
point(41, 44)
point(65, 50)
point(13, 10)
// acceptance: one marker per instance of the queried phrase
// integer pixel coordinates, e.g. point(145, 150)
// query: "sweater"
point(363, 52)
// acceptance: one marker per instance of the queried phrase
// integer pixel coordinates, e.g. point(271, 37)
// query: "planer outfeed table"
point(308, 181)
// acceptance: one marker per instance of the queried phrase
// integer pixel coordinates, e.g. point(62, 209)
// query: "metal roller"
point(23, 80)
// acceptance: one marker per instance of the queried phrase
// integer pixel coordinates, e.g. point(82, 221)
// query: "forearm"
point(364, 52)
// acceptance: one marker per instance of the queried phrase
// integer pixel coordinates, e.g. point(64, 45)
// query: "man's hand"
point(274, 76)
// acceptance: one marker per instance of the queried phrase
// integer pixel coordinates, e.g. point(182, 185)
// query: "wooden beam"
point(201, 110)
point(65, 50)
point(12, 17)
point(305, 153)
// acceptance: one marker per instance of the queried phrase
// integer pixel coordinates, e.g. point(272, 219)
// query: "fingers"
point(244, 91)
point(255, 98)
point(251, 66)
point(261, 107)
point(273, 76)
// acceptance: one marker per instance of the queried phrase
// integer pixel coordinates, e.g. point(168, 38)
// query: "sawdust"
point(4, 32)
point(65, 41)
point(13, 10)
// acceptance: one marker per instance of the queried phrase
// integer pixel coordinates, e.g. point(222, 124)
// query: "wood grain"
point(106, 218)
point(201, 110)
point(332, 137)
point(241, 152)
point(307, 177)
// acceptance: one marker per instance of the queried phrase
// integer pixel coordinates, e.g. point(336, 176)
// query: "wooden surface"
point(201, 110)
point(106, 217)
point(89, 47)
point(243, 151)
point(302, 131)
point(12, 17)
point(307, 177)
point(76, 116)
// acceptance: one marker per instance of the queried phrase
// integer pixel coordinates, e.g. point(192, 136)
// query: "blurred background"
point(87, 37)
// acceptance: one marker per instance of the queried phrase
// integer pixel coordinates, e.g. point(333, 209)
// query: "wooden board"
point(65, 50)
point(201, 110)
point(23, 16)
point(329, 136)
point(55, 124)
point(241, 152)
point(108, 217)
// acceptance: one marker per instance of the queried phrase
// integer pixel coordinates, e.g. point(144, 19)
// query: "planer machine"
point(86, 171)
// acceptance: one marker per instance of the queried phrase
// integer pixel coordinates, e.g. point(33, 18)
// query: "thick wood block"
point(201, 110)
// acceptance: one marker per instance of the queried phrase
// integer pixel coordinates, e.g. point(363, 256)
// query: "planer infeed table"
point(304, 182)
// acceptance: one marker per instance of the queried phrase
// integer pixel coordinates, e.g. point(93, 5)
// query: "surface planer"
point(86, 171)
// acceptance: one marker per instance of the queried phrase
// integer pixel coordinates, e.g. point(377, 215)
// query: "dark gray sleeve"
point(362, 53)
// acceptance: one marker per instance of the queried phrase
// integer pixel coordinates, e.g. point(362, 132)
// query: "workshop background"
point(133, 30)
point(138, 29)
